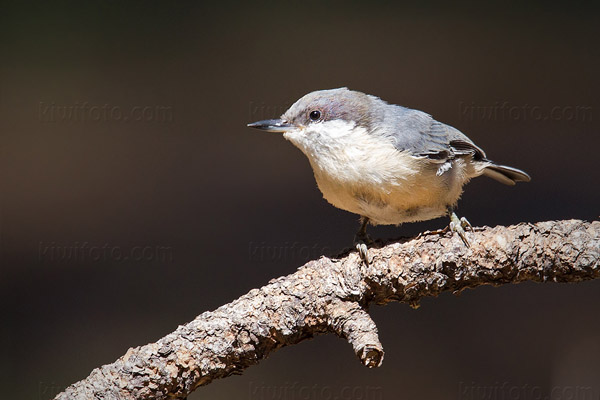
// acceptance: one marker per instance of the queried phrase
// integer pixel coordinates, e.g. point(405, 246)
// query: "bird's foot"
point(436, 232)
point(362, 242)
point(460, 225)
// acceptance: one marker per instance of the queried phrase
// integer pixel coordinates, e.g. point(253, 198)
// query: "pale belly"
point(418, 197)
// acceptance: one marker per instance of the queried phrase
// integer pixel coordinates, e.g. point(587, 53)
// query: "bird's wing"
point(462, 145)
point(418, 133)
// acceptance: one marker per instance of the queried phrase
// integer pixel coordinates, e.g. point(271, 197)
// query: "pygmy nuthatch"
point(387, 163)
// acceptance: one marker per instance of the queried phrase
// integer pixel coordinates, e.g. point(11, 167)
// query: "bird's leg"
point(362, 240)
point(459, 226)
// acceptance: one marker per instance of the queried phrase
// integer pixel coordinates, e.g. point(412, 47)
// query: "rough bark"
point(332, 295)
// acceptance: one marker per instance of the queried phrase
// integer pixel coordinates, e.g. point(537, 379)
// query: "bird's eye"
point(315, 115)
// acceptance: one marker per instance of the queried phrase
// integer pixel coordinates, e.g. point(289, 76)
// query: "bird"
point(387, 163)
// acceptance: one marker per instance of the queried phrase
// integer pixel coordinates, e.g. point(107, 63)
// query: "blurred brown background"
point(133, 197)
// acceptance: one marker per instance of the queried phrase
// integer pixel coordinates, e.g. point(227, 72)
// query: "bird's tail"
point(506, 175)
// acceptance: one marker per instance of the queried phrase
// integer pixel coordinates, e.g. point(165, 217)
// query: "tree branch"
point(332, 296)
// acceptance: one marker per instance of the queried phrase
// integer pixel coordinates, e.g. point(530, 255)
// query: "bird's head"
point(321, 117)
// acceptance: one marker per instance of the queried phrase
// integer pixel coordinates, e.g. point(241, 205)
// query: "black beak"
point(272, 125)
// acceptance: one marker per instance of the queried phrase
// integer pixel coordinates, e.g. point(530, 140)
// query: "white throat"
point(324, 139)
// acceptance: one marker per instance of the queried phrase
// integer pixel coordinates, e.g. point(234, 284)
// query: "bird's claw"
point(466, 224)
point(436, 232)
point(363, 251)
point(362, 242)
point(460, 226)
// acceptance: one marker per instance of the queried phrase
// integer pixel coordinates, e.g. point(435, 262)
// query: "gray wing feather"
point(421, 135)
